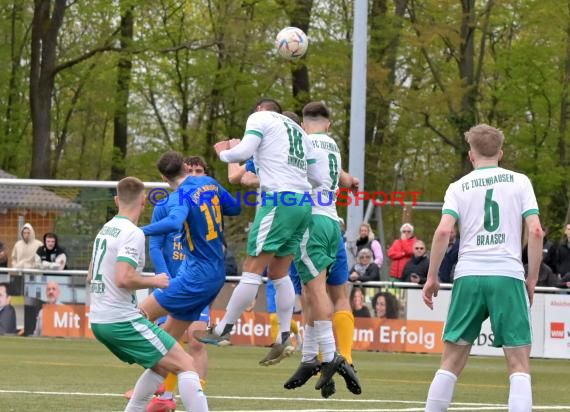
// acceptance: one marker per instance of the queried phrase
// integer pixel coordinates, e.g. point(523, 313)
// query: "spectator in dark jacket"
point(365, 269)
point(548, 252)
point(417, 267)
point(51, 255)
point(7, 312)
point(563, 254)
point(359, 310)
point(450, 259)
point(546, 277)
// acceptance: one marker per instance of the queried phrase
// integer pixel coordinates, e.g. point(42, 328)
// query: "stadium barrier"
point(420, 331)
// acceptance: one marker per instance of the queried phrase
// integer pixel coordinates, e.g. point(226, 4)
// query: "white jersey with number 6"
point(490, 204)
point(327, 155)
point(282, 157)
point(120, 240)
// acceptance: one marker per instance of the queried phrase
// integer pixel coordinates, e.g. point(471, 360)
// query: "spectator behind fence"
point(563, 254)
point(366, 241)
point(7, 312)
point(548, 251)
point(365, 270)
point(401, 251)
point(546, 277)
point(385, 305)
point(417, 267)
point(52, 297)
point(447, 268)
point(24, 251)
point(359, 310)
point(51, 255)
point(3, 255)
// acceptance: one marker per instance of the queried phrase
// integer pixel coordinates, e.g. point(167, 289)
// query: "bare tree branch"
point(485, 28)
point(438, 132)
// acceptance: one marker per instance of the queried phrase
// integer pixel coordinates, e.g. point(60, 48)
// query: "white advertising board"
point(557, 326)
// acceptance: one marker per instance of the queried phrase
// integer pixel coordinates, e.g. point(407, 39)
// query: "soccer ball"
point(292, 43)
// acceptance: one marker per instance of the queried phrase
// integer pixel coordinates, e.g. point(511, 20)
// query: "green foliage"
point(199, 66)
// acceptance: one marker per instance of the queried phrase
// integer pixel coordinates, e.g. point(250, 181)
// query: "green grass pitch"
point(81, 375)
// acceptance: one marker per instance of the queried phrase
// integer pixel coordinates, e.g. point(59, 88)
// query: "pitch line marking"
point(457, 406)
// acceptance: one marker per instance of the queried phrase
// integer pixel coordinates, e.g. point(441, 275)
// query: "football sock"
point(242, 297)
point(169, 386)
point(325, 339)
point(520, 394)
point(144, 390)
point(310, 345)
point(441, 391)
point(274, 326)
point(191, 392)
point(284, 302)
point(294, 327)
point(203, 383)
point(343, 324)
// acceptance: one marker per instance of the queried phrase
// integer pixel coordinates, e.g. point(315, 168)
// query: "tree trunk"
point(120, 120)
point(45, 29)
point(300, 16)
point(9, 138)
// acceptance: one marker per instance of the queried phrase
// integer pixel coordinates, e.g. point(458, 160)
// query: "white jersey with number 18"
point(120, 240)
point(490, 204)
point(283, 155)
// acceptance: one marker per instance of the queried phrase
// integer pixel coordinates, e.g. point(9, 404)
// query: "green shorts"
point(137, 341)
point(502, 298)
point(318, 248)
point(279, 225)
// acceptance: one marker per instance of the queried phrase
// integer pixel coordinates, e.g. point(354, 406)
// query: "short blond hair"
point(485, 140)
point(129, 190)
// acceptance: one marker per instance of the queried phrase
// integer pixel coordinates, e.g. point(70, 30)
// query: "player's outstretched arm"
point(535, 236)
point(240, 153)
point(438, 248)
point(171, 223)
point(314, 174)
point(126, 277)
point(348, 181)
point(156, 243)
point(235, 173)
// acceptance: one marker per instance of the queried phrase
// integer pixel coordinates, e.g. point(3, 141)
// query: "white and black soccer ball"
point(291, 43)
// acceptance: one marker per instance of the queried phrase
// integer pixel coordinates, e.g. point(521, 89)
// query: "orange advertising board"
point(393, 335)
point(66, 321)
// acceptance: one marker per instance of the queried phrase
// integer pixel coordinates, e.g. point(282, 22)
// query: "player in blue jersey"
point(196, 207)
point(167, 254)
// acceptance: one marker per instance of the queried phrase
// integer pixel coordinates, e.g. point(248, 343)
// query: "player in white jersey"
point(114, 274)
point(316, 255)
point(283, 157)
point(489, 204)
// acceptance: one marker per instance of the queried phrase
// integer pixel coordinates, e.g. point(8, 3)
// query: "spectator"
point(51, 255)
point(24, 252)
point(401, 251)
point(447, 268)
point(3, 255)
point(366, 241)
point(365, 269)
point(359, 310)
point(52, 297)
point(7, 312)
point(563, 254)
point(417, 267)
point(385, 305)
point(546, 277)
point(548, 251)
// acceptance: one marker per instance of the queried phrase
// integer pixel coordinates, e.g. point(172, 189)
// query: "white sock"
point(284, 302)
point(440, 391)
point(325, 338)
point(520, 394)
point(144, 390)
point(191, 392)
point(243, 295)
point(310, 345)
